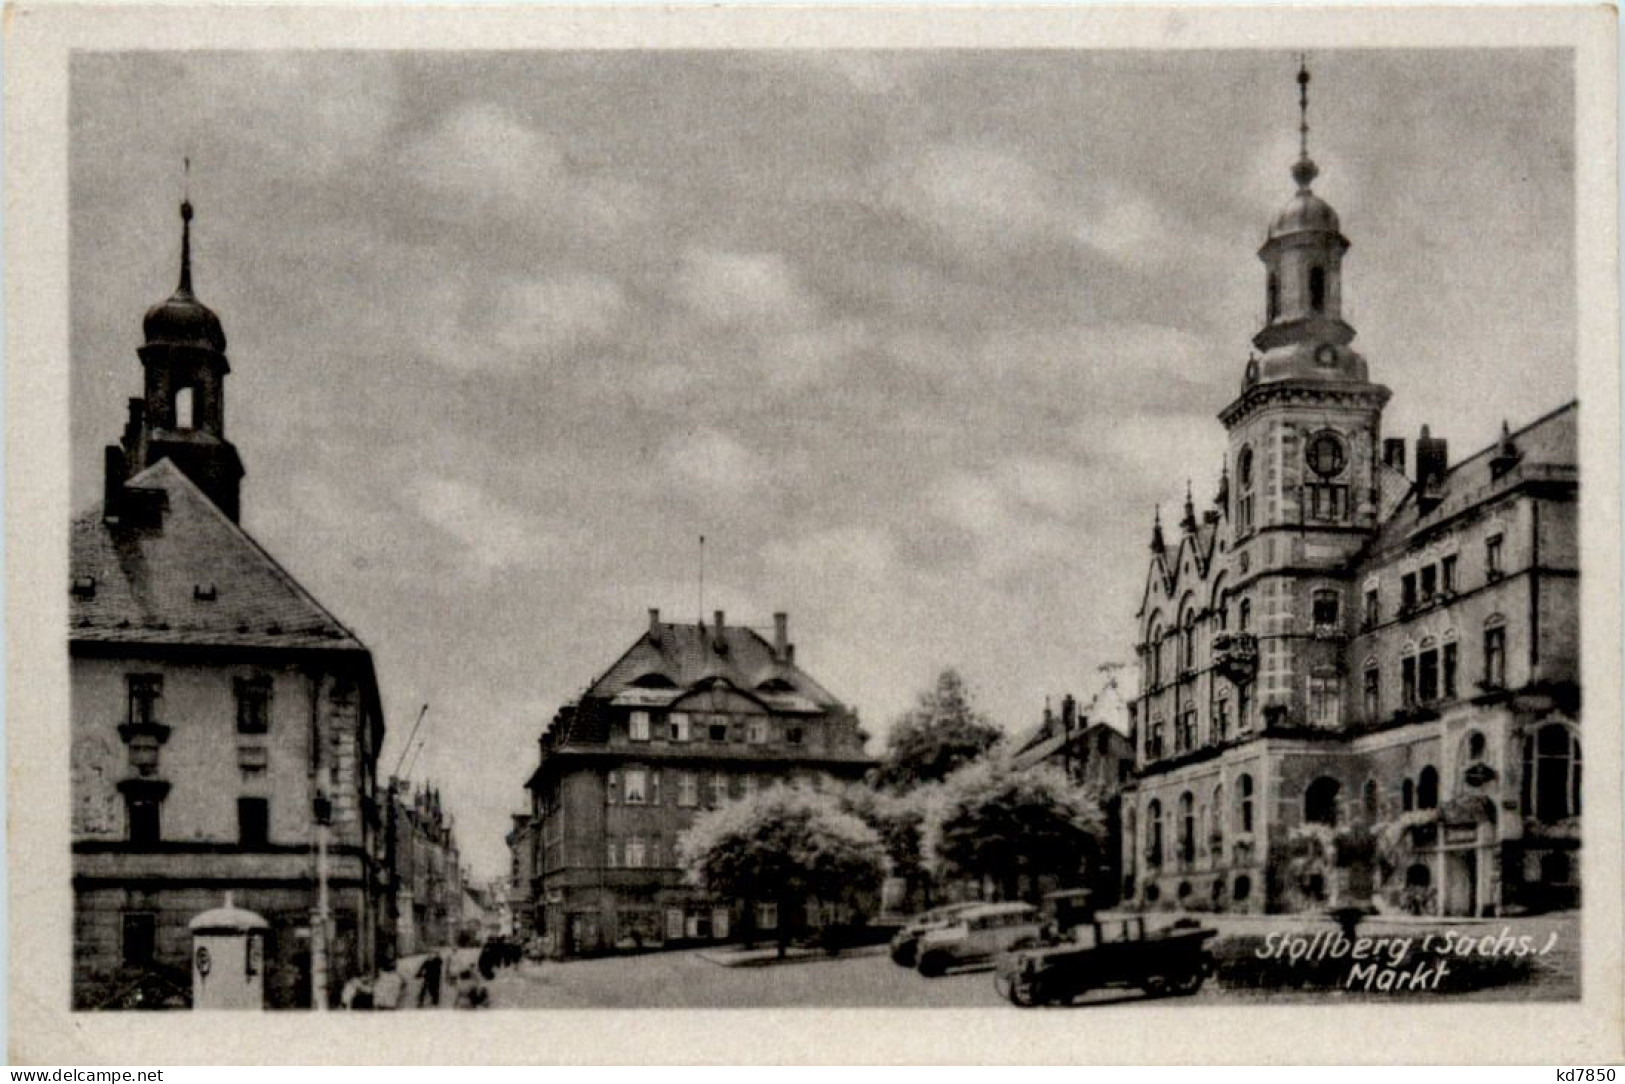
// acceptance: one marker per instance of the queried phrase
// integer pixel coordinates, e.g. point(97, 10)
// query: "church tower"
point(1303, 460)
point(182, 416)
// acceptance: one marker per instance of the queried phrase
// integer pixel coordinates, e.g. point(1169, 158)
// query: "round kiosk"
point(228, 958)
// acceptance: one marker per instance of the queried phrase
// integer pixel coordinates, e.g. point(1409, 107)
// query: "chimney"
point(1393, 453)
point(1069, 713)
point(790, 654)
point(654, 624)
point(112, 482)
point(781, 634)
point(1432, 462)
point(718, 637)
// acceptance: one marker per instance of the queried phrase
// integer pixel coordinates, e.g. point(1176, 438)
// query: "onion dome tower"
point(182, 416)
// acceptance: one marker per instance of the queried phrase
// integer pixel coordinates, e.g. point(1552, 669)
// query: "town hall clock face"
point(1326, 455)
point(1326, 355)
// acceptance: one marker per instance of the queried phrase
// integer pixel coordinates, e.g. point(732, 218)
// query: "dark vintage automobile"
point(1082, 952)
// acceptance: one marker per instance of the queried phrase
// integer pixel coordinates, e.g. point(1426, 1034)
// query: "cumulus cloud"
point(714, 463)
point(494, 535)
point(753, 289)
point(541, 316)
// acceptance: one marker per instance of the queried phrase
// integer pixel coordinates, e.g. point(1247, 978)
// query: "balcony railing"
point(1235, 655)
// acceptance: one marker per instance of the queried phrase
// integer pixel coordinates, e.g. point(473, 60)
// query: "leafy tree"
point(783, 846)
point(941, 734)
point(994, 822)
point(899, 821)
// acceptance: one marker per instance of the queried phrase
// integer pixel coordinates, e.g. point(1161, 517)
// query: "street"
point(689, 979)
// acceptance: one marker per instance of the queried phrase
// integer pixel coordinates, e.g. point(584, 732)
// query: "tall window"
point(1320, 801)
point(1325, 700)
point(688, 790)
point(1427, 788)
point(638, 726)
point(1317, 289)
point(1156, 654)
point(186, 408)
point(1372, 691)
point(1187, 827)
point(1244, 704)
point(253, 821)
point(1246, 615)
point(142, 812)
point(1407, 591)
point(1407, 681)
point(146, 698)
point(1551, 774)
point(1153, 829)
point(1429, 582)
point(1428, 672)
point(1324, 609)
point(1153, 740)
point(138, 944)
point(1244, 487)
point(1190, 640)
point(1495, 654)
point(1221, 718)
point(1447, 574)
point(1244, 801)
point(1273, 296)
point(1407, 795)
point(637, 786)
point(1216, 833)
point(1371, 610)
point(253, 705)
point(1187, 728)
point(636, 853)
point(719, 788)
point(1493, 568)
point(1448, 657)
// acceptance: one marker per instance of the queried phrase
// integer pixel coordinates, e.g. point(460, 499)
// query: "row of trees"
point(943, 806)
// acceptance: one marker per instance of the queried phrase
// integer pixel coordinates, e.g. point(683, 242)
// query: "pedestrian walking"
point(429, 974)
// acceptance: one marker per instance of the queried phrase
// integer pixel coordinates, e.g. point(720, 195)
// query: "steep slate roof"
point(147, 580)
point(1549, 449)
point(686, 655)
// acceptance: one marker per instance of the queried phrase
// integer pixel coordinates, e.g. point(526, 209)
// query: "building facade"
point(524, 865)
point(426, 888)
point(222, 720)
point(691, 716)
point(1097, 755)
point(1358, 676)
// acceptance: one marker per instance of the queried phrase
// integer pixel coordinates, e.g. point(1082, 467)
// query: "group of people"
point(386, 990)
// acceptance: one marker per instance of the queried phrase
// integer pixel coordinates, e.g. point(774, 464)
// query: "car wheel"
point(903, 956)
point(1187, 984)
point(933, 965)
point(1155, 986)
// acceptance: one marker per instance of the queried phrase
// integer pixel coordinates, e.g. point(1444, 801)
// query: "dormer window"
point(1317, 289)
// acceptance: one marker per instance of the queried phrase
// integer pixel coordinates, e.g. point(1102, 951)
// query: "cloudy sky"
point(917, 340)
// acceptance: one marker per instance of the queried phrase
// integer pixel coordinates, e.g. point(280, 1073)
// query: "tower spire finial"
point(186, 226)
point(1304, 169)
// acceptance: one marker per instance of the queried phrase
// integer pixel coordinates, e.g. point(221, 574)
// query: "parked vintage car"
point(906, 941)
point(1097, 953)
point(977, 935)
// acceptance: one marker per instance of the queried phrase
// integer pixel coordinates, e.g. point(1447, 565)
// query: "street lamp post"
point(323, 809)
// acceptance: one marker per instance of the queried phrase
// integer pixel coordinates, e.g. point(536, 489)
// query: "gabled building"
point(222, 719)
point(1358, 676)
point(426, 894)
point(689, 717)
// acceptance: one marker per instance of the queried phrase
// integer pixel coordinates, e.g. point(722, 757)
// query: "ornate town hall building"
point(1359, 675)
point(223, 720)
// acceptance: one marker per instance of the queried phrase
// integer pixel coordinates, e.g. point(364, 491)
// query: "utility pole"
point(321, 926)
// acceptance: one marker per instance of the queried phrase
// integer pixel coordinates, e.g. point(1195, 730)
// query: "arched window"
point(1190, 639)
point(1320, 801)
point(1187, 827)
point(185, 408)
point(1154, 643)
point(1317, 289)
point(1216, 834)
point(1153, 831)
point(1371, 690)
point(1244, 487)
point(1273, 291)
point(1244, 803)
point(1427, 788)
point(1551, 774)
point(1495, 652)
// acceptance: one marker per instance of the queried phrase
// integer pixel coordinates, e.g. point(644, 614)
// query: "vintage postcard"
point(1058, 534)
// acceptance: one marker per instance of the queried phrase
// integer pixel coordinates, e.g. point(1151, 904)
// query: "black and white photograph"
point(1081, 533)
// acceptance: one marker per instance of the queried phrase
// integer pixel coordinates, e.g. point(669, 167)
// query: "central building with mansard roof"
point(691, 716)
point(1358, 674)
